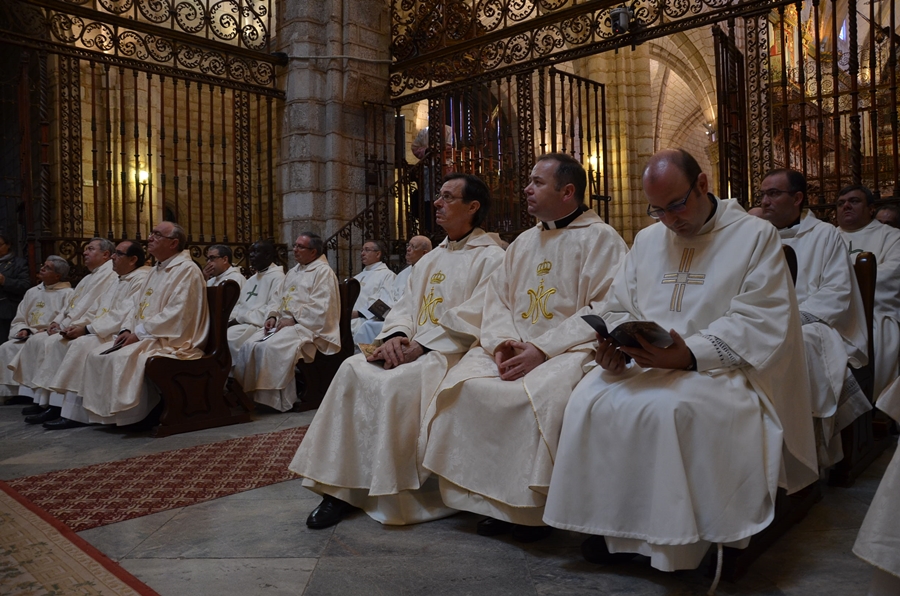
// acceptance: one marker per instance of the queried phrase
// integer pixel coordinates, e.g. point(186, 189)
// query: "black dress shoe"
point(522, 533)
point(51, 413)
point(493, 527)
point(62, 423)
point(329, 512)
point(594, 551)
point(32, 410)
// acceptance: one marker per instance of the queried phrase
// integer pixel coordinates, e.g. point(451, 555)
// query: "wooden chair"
point(865, 439)
point(316, 376)
point(197, 394)
point(789, 509)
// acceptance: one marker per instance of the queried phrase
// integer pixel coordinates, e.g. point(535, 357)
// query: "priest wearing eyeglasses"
point(684, 446)
point(303, 318)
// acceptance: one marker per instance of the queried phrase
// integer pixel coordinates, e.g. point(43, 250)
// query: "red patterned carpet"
point(84, 498)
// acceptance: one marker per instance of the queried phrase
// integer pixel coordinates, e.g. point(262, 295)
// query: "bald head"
point(676, 191)
point(416, 248)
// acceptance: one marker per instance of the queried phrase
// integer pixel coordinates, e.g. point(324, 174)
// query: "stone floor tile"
point(117, 540)
point(218, 577)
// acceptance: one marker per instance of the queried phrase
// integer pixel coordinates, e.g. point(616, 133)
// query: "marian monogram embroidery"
point(36, 316)
point(538, 298)
point(145, 303)
point(682, 279)
point(428, 304)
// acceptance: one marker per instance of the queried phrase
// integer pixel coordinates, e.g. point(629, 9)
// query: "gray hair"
point(224, 251)
point(179, 234)
point(105, 245)
point(60, 265)
point(315, 242)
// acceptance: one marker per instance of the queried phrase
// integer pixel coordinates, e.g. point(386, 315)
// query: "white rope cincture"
point(715, 584)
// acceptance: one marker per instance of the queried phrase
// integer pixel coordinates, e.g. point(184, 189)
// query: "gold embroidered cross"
point(682, 279)
point(427, 310)
point(145, 303)
point(286, 299)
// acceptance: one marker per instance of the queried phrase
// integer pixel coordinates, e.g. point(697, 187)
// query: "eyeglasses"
point(676, 207)
point(369, 250)
point(301, 247)
point(158, 234)
point(119, 253)
point(772, 193)
point(214, 257)
point(446, 197)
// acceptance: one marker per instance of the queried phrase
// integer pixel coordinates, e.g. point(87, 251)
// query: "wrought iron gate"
point(732, 119)
point(146, 110)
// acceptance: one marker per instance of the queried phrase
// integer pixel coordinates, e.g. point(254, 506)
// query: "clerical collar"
point(796, 222)
point(564, 222)
point(461, 238)
point(164, 264)
point(372, 266)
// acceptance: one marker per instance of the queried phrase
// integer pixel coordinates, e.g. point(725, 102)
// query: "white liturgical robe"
point(375, 282)
point(251, 310)
point(265, 366)
point(171, 319)
point(369, 329)
point(64, 376)
point(884, 242)
point(84, 304)
point(362, 445)
point(878, 541)
point(834, 329)
point(677, 459)
point(38, 307)
point(233, 273)
point(492, 442)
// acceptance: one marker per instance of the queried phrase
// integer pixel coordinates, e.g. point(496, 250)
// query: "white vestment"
point(492, 442)
point(233, 273)
point(367, 330)
point(884, 242)
point(834, 329)
point(878, 541)
point(663, 462)
point(265, 369)
point(171, 319)
point(63, 371)
point(43, 350)
point(362, 446)
point(253, 306)
point(374, 284)
point(38, 307)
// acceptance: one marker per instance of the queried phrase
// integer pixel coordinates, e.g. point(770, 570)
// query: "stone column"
point(321, 171)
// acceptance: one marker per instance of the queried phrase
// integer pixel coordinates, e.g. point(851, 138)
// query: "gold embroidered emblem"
point(427, 310)
point(538, 298)
point(102, 312)
point(40, 304)
point(145, 303)
point(438, 277)
point(36, 317)
point(72, 302)
point(286, 299)
point(682, 279)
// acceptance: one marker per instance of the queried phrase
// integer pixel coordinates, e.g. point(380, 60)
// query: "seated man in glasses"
point(831, 309)
point(674, 448)
point(863, 233)
point(219, 269)
point(375, 283)
point(303, 318)
point(170, 318)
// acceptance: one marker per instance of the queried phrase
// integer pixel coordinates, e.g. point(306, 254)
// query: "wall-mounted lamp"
point(143, 179)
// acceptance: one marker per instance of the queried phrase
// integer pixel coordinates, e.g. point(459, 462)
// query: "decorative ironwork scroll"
point(732, 118)
point(437, 42)
point(759, 119)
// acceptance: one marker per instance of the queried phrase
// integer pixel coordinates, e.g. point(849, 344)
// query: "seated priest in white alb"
point(375, 282)
point(303, 318)
point(862, 233)
point(831, 309)
point(362, 448)
point(492, 441)
point(170, 319)
point(63, 370)
point(42, 349)
point(879, 537)
point(40, 305)
point(369, 329)
point(686, 445)
point(219, 268)
point(249, 314)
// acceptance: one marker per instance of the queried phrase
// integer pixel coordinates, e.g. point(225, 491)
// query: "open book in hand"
point(379, 309)
point(625, 333)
